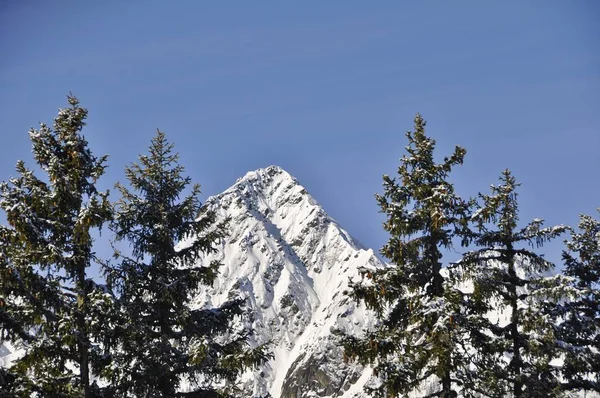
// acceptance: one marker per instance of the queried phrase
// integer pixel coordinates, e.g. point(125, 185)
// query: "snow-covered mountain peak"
point(274, 195)
point(265, 173)
point(273, 190)
point(264, 180)
point(292, 262)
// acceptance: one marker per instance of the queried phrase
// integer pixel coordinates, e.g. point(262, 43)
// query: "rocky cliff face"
point(292, 262)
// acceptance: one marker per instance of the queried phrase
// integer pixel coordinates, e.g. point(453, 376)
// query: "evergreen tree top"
point(154, 218)
point(500, 208)
point(156, 283)
point(416, 340)
point(582, 254)
point(48, 299)
point(423, 212)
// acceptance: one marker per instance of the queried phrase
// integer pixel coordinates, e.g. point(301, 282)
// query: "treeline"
point(136, 335)
point(497, 323)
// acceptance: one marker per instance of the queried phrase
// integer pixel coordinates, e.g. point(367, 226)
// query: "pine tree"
point(416, 340)
point(513, 356)
point(577, 315)
point(160, 340)
point(47, 301)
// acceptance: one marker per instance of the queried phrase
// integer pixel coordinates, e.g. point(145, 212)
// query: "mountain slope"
point(292, 262)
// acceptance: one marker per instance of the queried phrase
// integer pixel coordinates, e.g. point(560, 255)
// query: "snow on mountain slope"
point(292, 262)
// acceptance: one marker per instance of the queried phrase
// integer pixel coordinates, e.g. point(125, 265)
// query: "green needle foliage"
point(159, 341)
point(512, 357)
point(47, 302)
point(414, 346)
point(577, 316)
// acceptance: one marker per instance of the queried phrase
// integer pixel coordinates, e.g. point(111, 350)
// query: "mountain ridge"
point(291, 261)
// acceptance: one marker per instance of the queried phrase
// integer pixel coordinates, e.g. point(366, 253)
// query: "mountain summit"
point(292, 262)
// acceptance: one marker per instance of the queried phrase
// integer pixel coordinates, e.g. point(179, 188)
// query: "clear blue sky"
point(324, 89)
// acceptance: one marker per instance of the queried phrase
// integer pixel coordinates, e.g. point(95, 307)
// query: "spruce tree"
point(577, 315)
point(159, 340)
point(513, 346)
point(47, 301)
point(414, 347)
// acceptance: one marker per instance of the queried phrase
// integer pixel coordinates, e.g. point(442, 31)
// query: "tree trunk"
point(514, 319)
point(82, 340)
point(438, 282)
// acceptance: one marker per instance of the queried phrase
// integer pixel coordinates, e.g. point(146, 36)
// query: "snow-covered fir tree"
point(513, 355)
point(577, 315)
point(48, 305)
point(414, 347)
point(159, 341)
